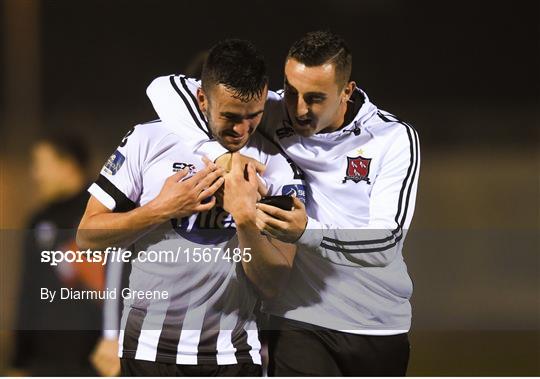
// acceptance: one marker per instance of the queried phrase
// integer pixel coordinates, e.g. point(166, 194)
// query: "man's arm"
point(271, 260)
point(100, 227)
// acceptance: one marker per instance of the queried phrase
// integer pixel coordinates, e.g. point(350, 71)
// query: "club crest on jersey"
point(115, 161)
point(357, 169)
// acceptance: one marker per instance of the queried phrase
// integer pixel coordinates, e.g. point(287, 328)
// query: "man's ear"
point(202, 99)
point(348, 91)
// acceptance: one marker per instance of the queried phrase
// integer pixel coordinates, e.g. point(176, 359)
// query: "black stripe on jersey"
point(123, 203)
point(151, 122)
point(386, 119)
point(186, 102)
point(364, 242)
point(132, 332)
point(240, 342)
point(414, 151)
point(297, 171)
point(169, 337)
point(195, 104)
point(242, 347)
point(207, 348)
point(392, 240)
point(396, 234)
point(363, 250)
point(415, 172)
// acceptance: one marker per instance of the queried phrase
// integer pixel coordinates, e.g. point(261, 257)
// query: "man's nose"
point(301, 107)
point(242, 127)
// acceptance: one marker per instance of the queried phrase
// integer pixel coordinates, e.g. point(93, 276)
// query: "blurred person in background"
point(56, 338)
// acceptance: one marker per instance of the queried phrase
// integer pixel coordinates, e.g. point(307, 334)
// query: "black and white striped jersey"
point(207, 316)
point(349, 273)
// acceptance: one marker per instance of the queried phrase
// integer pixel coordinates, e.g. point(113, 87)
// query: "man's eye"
point(314, 100)
point(231, 119)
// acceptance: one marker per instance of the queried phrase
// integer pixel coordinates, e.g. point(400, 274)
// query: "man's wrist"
point(301, 232)
point(154, 213)
point(244, 217)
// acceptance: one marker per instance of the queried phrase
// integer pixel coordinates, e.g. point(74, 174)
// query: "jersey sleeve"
point(391, 209)
point(119, 183)
point(173, 100)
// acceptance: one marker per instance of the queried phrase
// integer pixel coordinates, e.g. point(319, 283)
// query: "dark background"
point(465, 74)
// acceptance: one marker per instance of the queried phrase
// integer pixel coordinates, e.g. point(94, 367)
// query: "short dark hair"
point(69, 145)
point(238, 66)
point(323, 46)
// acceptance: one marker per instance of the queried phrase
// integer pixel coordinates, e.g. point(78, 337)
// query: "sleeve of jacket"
point(119, 183)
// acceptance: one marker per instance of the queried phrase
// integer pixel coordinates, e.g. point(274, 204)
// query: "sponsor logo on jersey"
point(298, 190)
point(115, 161)
point(179, 166)
point(208, 228)
point(357, 169)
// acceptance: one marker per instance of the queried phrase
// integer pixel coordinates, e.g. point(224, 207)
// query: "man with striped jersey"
point(346, 309)
point(204, 324)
